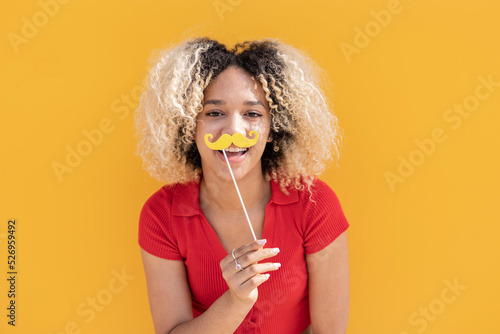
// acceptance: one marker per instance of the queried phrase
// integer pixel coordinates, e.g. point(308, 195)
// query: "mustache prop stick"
point(241, 141)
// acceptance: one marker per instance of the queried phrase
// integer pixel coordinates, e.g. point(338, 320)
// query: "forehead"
point(235, 83)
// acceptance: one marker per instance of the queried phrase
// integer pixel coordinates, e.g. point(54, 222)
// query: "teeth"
point(235, 149)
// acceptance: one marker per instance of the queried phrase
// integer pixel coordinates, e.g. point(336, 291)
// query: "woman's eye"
point(213, 113)
point(253, 114)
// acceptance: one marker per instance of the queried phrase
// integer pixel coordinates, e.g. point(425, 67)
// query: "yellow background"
point(406, 241)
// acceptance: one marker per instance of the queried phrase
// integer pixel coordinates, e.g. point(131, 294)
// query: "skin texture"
point(227, 110)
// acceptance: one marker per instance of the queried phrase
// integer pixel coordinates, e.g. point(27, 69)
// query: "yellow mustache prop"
point(226, 140)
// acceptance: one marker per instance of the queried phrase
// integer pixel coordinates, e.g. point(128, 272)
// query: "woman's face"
point(233, 103)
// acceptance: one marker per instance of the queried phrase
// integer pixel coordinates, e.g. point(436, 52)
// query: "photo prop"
point(241, 141)
point(226, 140)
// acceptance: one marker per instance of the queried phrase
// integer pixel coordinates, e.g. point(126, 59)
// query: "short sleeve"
point(324, 219)
point(156, 235)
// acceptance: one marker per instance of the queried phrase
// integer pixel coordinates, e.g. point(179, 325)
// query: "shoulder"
point(320, 203)
point(324, 219)
point(160, 205)
point(157, 232)
point(161, 198)
point(309, 194)
point(320, 186)
point(176, 198)
point(318, 193)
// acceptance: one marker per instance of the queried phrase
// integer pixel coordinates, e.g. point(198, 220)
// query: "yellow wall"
point(417, 227)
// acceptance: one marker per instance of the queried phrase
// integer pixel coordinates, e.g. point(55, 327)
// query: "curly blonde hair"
point(302, 126)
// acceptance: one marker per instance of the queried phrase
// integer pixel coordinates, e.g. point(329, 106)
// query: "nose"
point(234, 124)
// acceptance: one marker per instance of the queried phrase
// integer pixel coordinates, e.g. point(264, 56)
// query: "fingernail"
point(275, 250)
point(267, 276)
point(261, 242)
point(277, 265)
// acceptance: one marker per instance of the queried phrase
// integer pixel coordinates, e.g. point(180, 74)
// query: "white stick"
point(239, 195)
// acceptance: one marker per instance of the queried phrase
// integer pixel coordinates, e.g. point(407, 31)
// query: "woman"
point(204, 273)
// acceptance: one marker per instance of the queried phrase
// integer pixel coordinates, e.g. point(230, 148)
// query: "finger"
point(257, 269)
point(253, 246)
point(253, 283)
point(257, 256)
point(240, 277)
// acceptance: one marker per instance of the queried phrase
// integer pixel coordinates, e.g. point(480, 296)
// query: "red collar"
point(186, 198)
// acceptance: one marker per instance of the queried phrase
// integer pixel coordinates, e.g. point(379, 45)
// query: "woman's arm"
point(328, 272)
point(168, 292)
point(170, 296)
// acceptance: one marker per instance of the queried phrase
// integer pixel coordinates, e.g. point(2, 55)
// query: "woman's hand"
point(243, 283)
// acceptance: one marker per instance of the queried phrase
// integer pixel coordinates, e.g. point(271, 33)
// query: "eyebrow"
point(218, 102)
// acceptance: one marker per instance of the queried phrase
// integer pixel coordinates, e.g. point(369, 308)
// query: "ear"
point(269, 138)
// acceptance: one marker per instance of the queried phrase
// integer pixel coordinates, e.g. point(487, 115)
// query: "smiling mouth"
point(234, 152)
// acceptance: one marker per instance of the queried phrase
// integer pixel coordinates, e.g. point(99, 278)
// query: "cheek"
point(263, 130)
point(203, 149)
point(199, 133)
point(262, 127)
point(200, 142)
point(263, 135)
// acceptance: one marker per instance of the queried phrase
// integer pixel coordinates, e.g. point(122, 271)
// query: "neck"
point(221, 195)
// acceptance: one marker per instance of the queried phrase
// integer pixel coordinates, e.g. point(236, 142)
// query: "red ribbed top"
point(173, 226)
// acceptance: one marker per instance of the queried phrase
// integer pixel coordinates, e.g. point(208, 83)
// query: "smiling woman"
point(261, 102)
point(235, 103)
